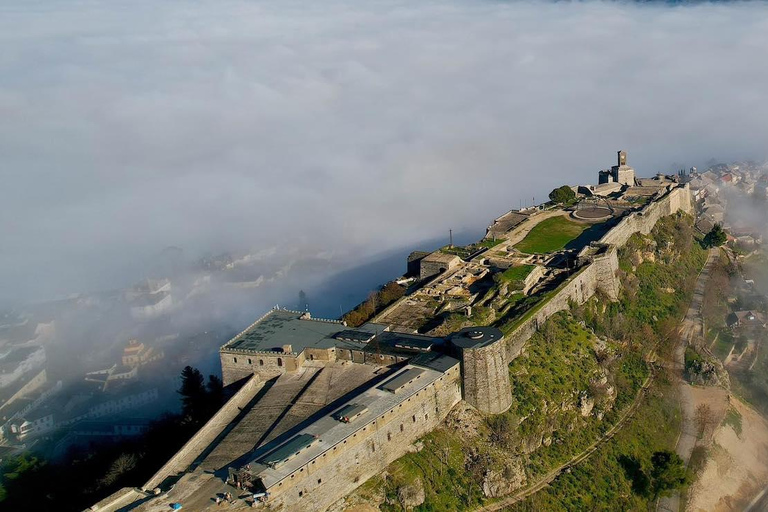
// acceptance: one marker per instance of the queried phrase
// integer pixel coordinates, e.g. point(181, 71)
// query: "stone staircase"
point(258, 422)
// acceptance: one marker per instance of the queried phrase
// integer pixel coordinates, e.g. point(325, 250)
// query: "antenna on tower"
point(450, 238)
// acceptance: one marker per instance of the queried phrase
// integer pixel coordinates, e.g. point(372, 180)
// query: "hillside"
point(577, 376)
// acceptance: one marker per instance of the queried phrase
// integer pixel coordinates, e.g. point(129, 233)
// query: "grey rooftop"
point(280, 327)
point(329, 431)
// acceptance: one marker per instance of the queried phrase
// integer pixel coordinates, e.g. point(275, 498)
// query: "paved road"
point(691, 327)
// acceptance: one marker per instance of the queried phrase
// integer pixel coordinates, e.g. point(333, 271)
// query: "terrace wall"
point(207, 434)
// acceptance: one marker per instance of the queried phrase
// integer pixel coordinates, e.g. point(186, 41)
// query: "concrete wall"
point(117, 500)
point(486, 378)
point(326, 479)
point(207, 434)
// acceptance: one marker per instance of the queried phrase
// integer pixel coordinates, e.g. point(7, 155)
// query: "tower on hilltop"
point(620, 173)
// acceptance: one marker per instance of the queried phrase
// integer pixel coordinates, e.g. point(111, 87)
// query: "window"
point(261, 362)
point(389, 436)
point(401, 427)
point(234, 359)
point(319, 480)
point(301, 493)
point(249, 361)
point(426, 416)
point(279, 361)
point(414, 418)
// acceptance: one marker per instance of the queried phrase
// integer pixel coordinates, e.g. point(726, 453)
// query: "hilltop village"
point(322, 405)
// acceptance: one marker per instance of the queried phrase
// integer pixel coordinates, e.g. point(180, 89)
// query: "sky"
point(340, 127)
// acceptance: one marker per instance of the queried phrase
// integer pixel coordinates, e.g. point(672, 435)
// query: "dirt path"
point(575, 460)
point(691, 326)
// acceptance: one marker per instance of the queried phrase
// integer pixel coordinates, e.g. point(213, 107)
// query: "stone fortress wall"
point(486, 378)
point(323, 481)
point(207, 433)
point(239, 364)
point(486, 381)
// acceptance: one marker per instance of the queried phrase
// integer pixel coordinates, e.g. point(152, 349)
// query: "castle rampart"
point(205, 436)
point(336, 465)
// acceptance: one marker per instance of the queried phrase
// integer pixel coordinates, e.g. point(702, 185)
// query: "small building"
point(746, 320)
point(137, 354)
point(283, 340)
point(32, 424)
point(437, 263)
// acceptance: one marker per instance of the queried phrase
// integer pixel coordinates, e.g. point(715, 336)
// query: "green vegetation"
point(550, 235)
point(562, 195)
point(375, 303)
point(578, 374)
point(516, 274)
point(613, 477)
point(488, 243)
point(716, 236)
point(733, 418)
point(465, 251)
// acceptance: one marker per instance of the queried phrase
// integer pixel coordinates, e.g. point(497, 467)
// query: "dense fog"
point(339, 130)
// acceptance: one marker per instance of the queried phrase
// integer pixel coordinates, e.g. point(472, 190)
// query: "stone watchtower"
point(484, 367)
point(622, 173)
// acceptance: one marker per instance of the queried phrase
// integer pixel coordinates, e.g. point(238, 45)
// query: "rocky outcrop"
point(502, 482)
point(411, 495)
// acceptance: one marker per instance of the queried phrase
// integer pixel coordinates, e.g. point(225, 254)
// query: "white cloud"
point(128, 126)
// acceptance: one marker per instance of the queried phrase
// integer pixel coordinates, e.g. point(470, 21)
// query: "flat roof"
point(288, 450)
point(400, 380)
point(285, 327)
point(475, 337)
point(330, 432)
point(350, 411)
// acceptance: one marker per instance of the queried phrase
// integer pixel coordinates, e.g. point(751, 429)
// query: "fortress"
point(322, 406)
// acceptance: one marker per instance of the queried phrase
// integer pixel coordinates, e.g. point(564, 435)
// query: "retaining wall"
point(207, 434)
point(599, 274)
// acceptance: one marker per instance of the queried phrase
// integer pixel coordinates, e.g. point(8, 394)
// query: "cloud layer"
point(342, 125)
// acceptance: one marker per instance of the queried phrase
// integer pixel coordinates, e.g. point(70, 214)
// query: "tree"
point(193, 393)
point(562, 195)
point(716, 236)
point(667, 472)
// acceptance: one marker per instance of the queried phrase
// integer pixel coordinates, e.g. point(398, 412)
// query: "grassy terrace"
point(550, 235)
point(518, 273)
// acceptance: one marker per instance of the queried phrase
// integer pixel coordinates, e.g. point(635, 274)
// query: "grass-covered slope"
point(578, 374)
point(550, 235)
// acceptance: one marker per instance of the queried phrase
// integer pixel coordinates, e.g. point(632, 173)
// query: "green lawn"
point(550, 235)
point(518, 273)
